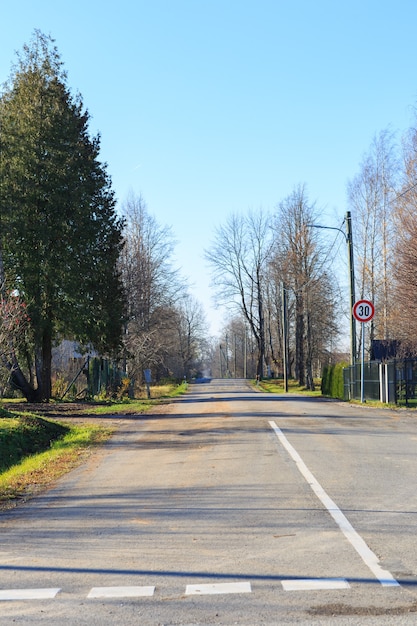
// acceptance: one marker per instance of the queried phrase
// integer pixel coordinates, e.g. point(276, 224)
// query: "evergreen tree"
point(60, 235)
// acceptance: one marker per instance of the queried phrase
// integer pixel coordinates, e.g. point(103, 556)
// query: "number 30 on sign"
point(363, 310)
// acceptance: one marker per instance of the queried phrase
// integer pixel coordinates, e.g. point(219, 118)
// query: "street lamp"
point(348, 238)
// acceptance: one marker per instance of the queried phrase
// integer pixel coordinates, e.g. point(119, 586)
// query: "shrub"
point(332, 380)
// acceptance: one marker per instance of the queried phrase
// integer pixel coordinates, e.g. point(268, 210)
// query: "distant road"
point(227, 506)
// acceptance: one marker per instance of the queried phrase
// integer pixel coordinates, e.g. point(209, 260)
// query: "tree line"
point(71, 266)
point(265, 264)
point(75, 266)
point(383, 200)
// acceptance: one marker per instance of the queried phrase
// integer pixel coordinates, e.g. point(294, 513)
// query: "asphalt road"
point(228, 506)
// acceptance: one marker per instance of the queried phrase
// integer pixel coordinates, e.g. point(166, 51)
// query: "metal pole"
point(235, 359)
point(245, 356)
point(352, 288)
point(83, 367)
point(284, 335)
point(220, 358)
point(349, 241)
point(227, 356)
point(363, 364)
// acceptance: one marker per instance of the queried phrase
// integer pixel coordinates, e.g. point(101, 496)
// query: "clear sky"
point(208, 107)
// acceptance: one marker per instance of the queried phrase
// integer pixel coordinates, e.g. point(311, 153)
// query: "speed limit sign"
point(363, 310)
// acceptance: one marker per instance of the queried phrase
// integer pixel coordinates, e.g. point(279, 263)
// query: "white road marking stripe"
point(315, 584)
point(28, 594)
point(370, 559)
point(121, 592)
point(218, 588)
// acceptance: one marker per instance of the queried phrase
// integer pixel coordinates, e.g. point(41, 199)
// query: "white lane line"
point(28, 594)
point(370, 559)
point(218, 588)
point(121, 592)
point(315, 584)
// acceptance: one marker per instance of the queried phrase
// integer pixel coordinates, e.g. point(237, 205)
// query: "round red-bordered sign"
point(363, 310)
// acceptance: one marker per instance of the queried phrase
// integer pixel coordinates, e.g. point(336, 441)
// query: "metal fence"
point(389, 382)
point(91, 377)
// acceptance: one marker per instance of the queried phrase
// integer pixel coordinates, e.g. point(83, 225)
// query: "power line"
point(400, 195)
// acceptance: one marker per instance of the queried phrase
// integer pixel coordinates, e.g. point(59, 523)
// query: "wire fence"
point(92, 377)
point(393, 382)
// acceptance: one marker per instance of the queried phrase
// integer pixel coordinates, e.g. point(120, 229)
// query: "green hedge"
point(332, 380)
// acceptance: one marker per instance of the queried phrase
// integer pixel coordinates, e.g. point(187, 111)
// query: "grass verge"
point(34, 452)
point(277, 386)
point(159, 393)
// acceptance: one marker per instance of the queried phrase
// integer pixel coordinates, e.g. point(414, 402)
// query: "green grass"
point(411, 404)
point(24, 434)
point(37, 471)
point(35, 451)
point(141, 405)
point(277, 386)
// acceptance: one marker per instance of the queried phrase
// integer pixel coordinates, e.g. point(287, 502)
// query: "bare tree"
point(370, 195)
point(405, 280)
point(153, 287)
point(14, 325)
point(236, 350)
point(300, 263)
point(239, 258)
point(405, 263)
point(190, 338)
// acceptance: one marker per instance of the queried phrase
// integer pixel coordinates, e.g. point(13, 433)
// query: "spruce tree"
point(60, 235)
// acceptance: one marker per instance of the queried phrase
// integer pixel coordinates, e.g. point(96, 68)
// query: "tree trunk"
point(260, 368)
point(309, 357)
point(299, 340)
point(19, 382)
point(43, 365)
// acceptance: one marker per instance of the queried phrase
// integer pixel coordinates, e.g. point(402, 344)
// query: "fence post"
point(381, 383)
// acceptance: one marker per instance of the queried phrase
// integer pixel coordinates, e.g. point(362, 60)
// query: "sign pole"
point(363, 364)
point(363, 311)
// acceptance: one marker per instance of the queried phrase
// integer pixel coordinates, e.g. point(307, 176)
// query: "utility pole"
point(235, 357)
point(284, 335)
point(352, 288)
point(245, 355)
point(227, 356)
point(349, 241)
point(220, 358)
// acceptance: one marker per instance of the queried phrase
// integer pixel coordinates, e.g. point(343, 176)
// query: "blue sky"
point(208, 107)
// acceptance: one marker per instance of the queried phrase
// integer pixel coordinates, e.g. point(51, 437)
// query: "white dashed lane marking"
point(297, 584)
point(121, 592)
point(28, 594)
point(217, 588)
point(315, 585)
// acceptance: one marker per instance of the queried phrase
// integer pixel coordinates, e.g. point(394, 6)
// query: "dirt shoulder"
point(79, 412)
point(72, 412)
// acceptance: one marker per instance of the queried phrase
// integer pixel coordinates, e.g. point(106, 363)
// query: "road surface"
point(227, 506)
